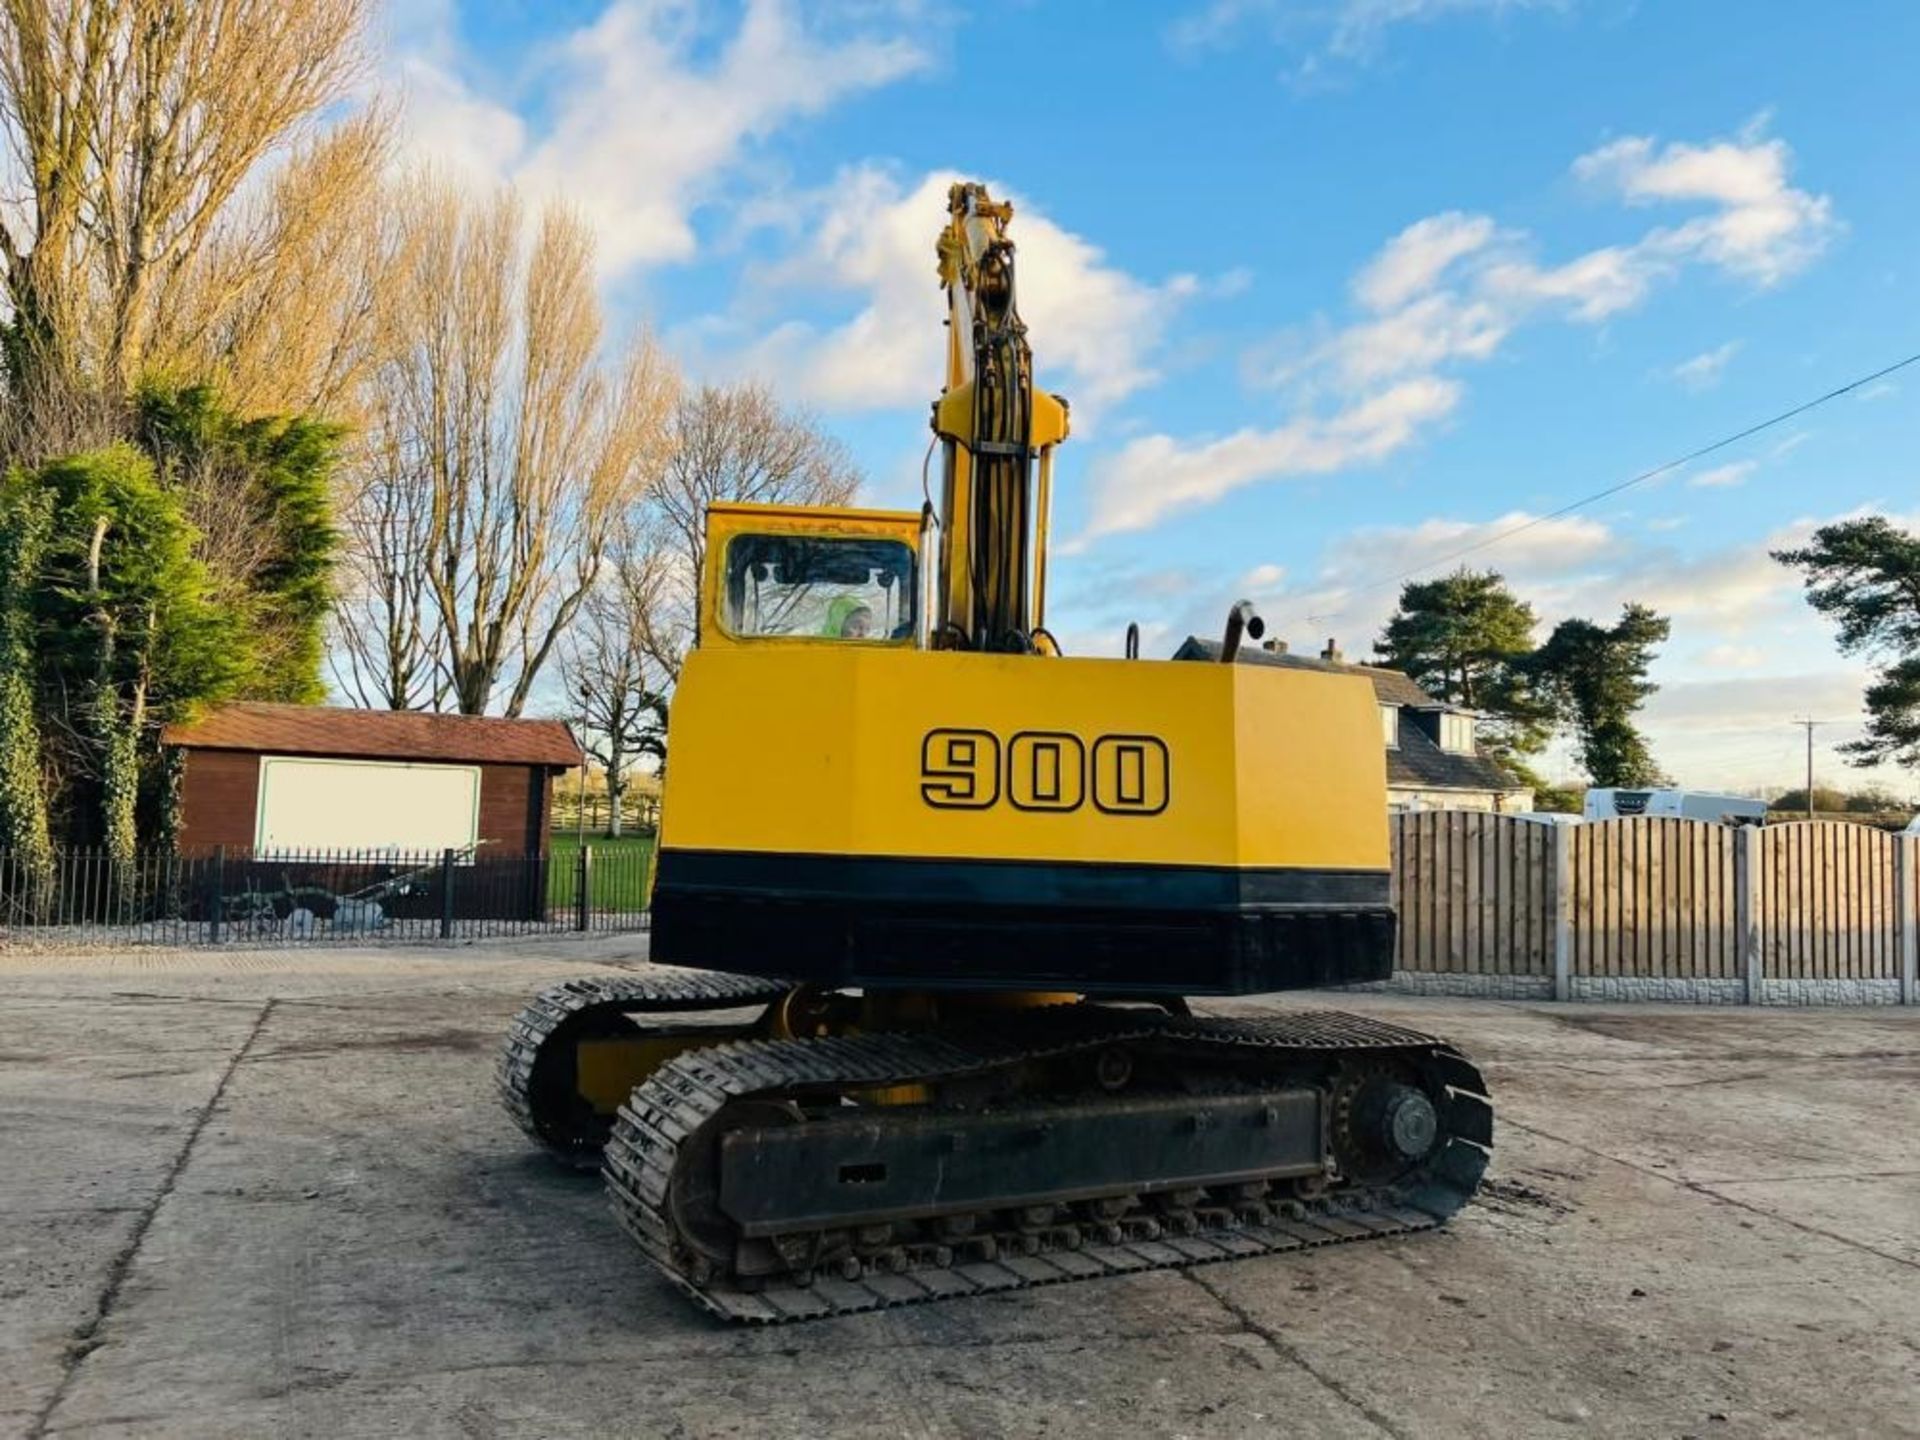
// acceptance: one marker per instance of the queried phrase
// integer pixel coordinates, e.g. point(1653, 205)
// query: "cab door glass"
point(830, 588)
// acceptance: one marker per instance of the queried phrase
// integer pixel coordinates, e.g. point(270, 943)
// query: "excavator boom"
point(997, 432)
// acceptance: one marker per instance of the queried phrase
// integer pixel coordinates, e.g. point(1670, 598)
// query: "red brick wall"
point(509, 819)
point(219, 799)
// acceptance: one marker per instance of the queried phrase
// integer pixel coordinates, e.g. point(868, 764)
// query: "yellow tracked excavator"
point(936, 897)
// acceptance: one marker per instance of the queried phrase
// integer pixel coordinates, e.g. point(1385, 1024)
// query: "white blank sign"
point(365, 805)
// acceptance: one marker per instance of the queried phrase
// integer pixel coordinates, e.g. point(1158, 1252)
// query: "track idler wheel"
point(709, 1241)
point(1390, 1126)
point(1397, 1121)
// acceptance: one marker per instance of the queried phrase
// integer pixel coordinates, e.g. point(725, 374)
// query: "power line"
point(1810, 724)
point(1640, 479)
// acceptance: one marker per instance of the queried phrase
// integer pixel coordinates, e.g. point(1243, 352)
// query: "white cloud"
point(1149, 477)
point(1745, 704)
point(1424, 334)
point(642, 113)
point(1344, 30)
point(1416, 259)
point(1354, 589)
point(1705, 370)
point(1091, 602)
point(1102, 588)
point(1733, 657)
point(1737, 588)
point(1763, 228)
point(1096, 328)
point(1737, 592)
point(1590, 287)
point(1517, 544)
point(1722, 476)
point(1450, 290)
point(451, 127)
point(1262, 578)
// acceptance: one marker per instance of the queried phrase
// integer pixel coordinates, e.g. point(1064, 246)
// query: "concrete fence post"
point(1906, 924)
point(1560, 855)
point(1746, 907)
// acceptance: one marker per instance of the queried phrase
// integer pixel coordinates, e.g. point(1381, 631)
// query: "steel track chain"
point(670, 1108)
point(578, 1002)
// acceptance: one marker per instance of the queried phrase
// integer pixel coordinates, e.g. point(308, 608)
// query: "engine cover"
point(894, 818)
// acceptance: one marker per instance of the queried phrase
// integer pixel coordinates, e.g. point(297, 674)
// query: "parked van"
point(1619, 804)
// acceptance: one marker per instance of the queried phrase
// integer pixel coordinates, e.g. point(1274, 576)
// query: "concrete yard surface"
point(249, 1194)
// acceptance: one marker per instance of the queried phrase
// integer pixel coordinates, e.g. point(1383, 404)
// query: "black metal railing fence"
point(227, 896)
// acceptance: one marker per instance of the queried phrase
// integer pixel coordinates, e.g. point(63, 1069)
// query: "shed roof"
point(1416, 762)
point(378, 734)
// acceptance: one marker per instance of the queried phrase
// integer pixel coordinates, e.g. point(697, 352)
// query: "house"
point(1433, 761)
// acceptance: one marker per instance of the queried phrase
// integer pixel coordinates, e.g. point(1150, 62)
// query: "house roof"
point(378, 734)
point(1392, 687)
point(1417, 762)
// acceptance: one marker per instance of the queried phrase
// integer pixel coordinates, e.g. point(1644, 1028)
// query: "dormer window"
point(1390, 724)
point(1456, 733)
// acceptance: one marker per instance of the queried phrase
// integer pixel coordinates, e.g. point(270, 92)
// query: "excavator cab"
point(781, 574)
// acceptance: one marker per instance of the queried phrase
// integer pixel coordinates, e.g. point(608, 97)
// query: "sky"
point(1338, 289)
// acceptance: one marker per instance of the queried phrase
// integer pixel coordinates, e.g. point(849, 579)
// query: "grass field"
point(622, 870)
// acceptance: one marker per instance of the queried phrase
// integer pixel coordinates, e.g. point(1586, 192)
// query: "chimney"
point(1332, 652)
point(1274, 647)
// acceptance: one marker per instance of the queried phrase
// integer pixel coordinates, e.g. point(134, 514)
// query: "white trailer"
point(1620, 804)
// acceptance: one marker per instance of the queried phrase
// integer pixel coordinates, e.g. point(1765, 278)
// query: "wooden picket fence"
point(1474, 893)
point(1656, 899)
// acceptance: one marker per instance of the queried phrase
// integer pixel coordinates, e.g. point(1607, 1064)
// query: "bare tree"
point(608, 671)
point(389, 652)
point(497, 428)
point(134, 126)
point(732, 443)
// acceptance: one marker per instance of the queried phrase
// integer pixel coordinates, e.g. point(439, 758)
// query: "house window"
point(1456, 733)
point(1390, 724)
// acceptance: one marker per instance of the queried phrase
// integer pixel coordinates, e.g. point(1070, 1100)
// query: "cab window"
point(836, 588)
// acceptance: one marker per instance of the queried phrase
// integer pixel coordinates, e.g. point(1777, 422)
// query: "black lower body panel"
point(885, 923)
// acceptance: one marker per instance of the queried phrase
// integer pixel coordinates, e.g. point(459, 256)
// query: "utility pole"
point(1809, 724)
point(580, 820)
